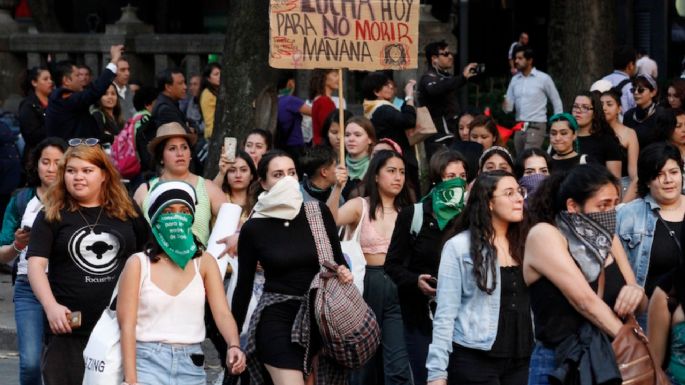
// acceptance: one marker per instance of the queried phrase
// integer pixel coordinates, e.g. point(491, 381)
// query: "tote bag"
point(353, 253)
point(425, 127)
point(102, 354)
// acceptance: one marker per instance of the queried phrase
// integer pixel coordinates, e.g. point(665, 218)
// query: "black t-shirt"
point(600, 148)
point(563, 165)
point(665, 253)
point(84, 263)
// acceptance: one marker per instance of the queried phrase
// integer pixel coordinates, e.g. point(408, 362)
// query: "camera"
point(478, 69)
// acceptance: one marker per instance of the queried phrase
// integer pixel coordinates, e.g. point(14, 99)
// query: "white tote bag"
point(102, 354)
point(353, 253)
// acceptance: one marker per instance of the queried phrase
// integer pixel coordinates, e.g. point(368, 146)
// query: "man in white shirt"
point(528, 93)
point(624, 69)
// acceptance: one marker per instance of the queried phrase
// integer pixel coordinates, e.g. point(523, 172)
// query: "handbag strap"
point(323, 245)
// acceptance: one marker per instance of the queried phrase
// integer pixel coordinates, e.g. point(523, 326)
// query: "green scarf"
point(356, 169)
point(448, 200)
point(174, 234)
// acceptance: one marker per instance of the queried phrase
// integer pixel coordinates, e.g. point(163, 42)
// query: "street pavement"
point(9, 358)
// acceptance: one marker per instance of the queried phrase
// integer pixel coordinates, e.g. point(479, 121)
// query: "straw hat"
point(170, 130)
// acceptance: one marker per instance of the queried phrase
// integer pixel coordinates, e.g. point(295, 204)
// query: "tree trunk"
point(581, 44)
point(246, 75)
point(43, 13)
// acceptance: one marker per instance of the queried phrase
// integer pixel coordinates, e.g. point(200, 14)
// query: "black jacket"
point(408, 257)
point(438, 92)
point(391, 123)
point(68, 115)
point(166, 110)
point(31, 116)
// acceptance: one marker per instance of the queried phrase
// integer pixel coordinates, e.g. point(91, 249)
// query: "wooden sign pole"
point(341, 118)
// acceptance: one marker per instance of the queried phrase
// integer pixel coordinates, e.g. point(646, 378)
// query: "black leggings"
point(471, 366)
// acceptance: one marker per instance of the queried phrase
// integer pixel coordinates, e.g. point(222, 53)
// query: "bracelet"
point(18, 250)
point(408, 98)
point(235, 346)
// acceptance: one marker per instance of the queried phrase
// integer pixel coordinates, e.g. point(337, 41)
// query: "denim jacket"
point(465, 315)
point(636, 225)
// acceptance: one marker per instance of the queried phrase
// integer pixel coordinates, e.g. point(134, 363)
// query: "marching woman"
point(87, 230)
point(161, 301)
point(21, 212)
point(570, 246)
point(414, 253)
point(290, 262)
point(376, 213)
point(482, 330)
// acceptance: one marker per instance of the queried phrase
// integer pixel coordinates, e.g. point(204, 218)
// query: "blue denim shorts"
point(542, 364)
point(164, 364)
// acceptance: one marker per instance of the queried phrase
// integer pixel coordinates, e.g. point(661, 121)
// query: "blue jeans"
point(164, 364)
point(29, 317)
point(542, 364)
point(417, 348)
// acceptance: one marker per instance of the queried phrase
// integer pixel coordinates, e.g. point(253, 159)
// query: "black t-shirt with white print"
point(84, 263)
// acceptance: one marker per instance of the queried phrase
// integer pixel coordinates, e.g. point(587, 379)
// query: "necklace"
point(91, 227)
point(558, 154)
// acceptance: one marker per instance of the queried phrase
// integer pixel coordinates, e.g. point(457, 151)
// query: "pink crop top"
point(369, 239)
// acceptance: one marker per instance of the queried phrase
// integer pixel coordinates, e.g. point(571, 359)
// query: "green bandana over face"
point(174, 234)
point(448, 200)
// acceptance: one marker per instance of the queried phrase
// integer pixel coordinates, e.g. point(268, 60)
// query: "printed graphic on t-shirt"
point(96, 251)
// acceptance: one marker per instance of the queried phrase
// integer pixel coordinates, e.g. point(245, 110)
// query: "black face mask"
point(606, 219)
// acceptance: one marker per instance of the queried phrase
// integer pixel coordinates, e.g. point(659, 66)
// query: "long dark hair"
point(379, 160)
point(33, 180)
point(252, 187)
point(477, 218)
point(599, 123)
point(204, 83)
point(31, 75)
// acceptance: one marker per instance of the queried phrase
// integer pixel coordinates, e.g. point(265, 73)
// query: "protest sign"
point(354, 34)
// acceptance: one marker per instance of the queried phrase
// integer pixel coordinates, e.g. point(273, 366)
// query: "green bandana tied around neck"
point(448, 200)
point(356, 169)
point(174, 234)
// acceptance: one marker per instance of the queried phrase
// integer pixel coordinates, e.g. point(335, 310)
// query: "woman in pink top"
point(385, 193)
point(161, 300)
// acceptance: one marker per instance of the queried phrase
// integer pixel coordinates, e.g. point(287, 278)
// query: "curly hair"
point(113, 195)
point(477, 217)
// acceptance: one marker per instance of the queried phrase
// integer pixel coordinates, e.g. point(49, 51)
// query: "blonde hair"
point(113, 196)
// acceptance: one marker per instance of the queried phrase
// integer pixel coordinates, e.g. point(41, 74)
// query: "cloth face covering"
point(174, 234)
point(589, 242)
point(447, 200)
point(531, 183)
point(606, 219)
point(283, 200)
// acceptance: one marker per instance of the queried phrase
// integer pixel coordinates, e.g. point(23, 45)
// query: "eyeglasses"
point(638, 90)
point(446, 53)
point(581, 108)
point(511, 194)
point(90, 142)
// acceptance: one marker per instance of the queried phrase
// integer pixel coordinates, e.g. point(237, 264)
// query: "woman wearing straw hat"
point(171, 152)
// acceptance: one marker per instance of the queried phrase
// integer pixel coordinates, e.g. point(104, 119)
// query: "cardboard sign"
point(355, 34)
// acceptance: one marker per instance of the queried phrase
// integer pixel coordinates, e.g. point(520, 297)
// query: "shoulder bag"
point(349, 332)
point(352, 250)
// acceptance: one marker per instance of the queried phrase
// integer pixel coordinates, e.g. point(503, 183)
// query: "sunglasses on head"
point(90, 142)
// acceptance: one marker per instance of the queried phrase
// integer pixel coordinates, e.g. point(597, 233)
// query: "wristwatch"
point(408, 98)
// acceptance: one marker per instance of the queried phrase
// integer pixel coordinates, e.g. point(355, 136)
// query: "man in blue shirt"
point(624, 69)
point(528, 93)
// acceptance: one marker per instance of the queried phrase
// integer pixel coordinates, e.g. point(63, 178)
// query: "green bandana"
point(173, 232)
point(448, 200)
point(356, 169)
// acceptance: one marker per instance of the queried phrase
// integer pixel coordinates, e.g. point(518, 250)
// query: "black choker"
point(568, 153)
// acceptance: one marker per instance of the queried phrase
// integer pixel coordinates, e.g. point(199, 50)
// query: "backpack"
point(350, 334)
point(619, 87)
point(123, 152)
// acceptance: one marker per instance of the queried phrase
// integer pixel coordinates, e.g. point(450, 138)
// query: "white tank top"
point(178, 319)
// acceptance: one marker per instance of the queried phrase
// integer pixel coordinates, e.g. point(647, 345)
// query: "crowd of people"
point(521, 255)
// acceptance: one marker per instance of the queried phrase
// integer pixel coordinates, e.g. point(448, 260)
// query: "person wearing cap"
point(171, 152)
point(161, 299)
point(562, 138)
point(643, 117)
point(88, 228)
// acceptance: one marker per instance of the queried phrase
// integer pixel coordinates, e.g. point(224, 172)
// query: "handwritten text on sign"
point(354, 34)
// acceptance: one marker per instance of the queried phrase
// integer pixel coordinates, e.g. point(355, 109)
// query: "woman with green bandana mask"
point(162, 295)
point(414, 253)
